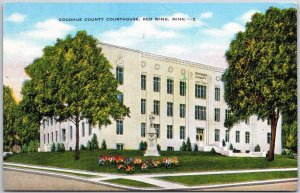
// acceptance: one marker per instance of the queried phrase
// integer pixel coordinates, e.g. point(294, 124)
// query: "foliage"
point(257, 148)
point(183, 146)
point(223, 143)
point(76, 62)
point(261, 78)
point(158, 147)
point(33, 146)
point(53, 147)
point(283, 152)
point(24, 148)
point(88, 145)
point(62, 147)
point(103, 145)
point(94, 142)
point(58, 147)
point(231, 147)
point(195, 147)
point(143, 145)
point(82, 147)
point(9, 118)
point(213, 150)
point(290, 154)
point(188, 145)
point(289, 131)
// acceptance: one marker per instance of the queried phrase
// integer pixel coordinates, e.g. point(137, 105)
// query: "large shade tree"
point(72, 81)
point(261, 78)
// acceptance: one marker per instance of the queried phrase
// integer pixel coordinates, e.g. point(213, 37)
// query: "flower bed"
point(130, 165)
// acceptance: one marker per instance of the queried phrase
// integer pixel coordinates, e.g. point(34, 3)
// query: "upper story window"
point(227, 136)
point(143, 106)
point(182, 132)
point(227, 113)
point(217, 94)
point(169, 131)
point(71, 133)
point(217, 135)
point(269, 138)
point(143, 129)
point(90, 129)
point(119, 127)
point(63, 135)
point(157, 129)
point(182, 111)
point(156, 107)
point(200, 113)
point(182, 88)
point(200, 91)
point(120, 74)
point(120, 98)
point(237, 136)
point(217, 114)
point(170, 86)
point(156, 84)
point(143, 82)
point(83, 129)
point(169, 109)
point(247, 137)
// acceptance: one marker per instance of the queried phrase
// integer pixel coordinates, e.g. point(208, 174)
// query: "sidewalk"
point(101, 178)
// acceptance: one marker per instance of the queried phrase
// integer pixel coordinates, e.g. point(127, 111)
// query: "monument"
point(152, 139)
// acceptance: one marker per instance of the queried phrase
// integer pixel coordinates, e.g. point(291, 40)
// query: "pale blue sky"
point(28, 27)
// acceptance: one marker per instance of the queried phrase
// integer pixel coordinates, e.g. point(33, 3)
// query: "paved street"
point(16, 181)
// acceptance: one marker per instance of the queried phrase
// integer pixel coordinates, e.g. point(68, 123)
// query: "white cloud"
point(49, 30)
point(247, 16)
point(206, 15)
point(227, 30)
point(16, 17)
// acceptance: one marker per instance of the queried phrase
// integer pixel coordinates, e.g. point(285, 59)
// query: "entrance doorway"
point(200, 136)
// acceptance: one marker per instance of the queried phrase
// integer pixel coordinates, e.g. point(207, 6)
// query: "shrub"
point(53, 147)
point(89, 145)
point(283, 152)
point(223, 143)
point(183, 146)
point(70, 149)
point(158, 147)
point(58, 147)
point(188, 145)
point(213, 150)
point(94, 142)
point(62, 147)
point(24, 148)
point(195, 147)
point(290, 154)
point(82, 147)
point(143, 145)
point(231, 147)
point(257, 148)
point(103, 145)
point(33, 146)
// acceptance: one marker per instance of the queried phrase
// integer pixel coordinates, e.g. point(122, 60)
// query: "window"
point(71, 132)
point(200, 134)
point(217, 94)
point(156, 107)
point(48, 137)
point(63, 135)
point(200, 91)
point(143, 129)
point(120, 146)
point(182, 132)
point(56, 136)
point(156, 84)
point(120, 98)
point(170, 86)
point(44, 138)
point(227, 136)
point(247, 121)
point(143, 106)
point(51, 121)
point(217, 114)
point(44, 123)
point(90, 129)
point(83, 129)
point(217, 134)
point(169, 132)
point(51, 136)
point(119, 127)
point(182, 110)
point(247, 137)
point(143, 82)
point(120, 74)
point(237, 136)
point(269, 138)
point(200, 113)
point(157, 129)
point(269, 121)
point(227, 113)
point(182, 88)
point(170, 148)
point(169, 109)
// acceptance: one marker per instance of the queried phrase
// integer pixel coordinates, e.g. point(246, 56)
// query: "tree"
point(72, 81)
point(9, 118)
point(188, 145)
point(261, 78)
point(289, 132)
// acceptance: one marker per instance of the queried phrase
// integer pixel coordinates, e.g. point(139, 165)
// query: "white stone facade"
point(137, 63)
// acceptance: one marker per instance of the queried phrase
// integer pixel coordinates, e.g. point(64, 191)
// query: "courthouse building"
point(185, 97)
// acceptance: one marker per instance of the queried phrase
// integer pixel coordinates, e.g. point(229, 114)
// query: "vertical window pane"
point(119, 74)
point(200, 113)
point(157, 128)
point(268, 137)
point(200, 91)
point(182, 111)
point(182, 88)
point(227, 135)
point(227, 113)
point(143, 106)
point(71, 132)
point(237, 136)
point(143, 82)
point(119, 125)
point(182, 132)
point(247, 137)
point(143, 129)
point(156, 107)
point(83, 129)
point(217, 134)
point(217, 114)
point(90, 129)
point(217, 94)
point(170, 85)
point(156, 84)
point(169, 132)
point(169, 109)
point(120, 98)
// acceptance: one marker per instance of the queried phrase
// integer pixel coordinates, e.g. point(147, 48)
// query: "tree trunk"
point(77, 156)
point(274, 120)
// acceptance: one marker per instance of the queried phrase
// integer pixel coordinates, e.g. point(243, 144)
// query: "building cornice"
point(169, 59)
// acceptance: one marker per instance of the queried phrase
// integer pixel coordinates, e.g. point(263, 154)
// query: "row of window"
point(200, 90)
point(237, 136)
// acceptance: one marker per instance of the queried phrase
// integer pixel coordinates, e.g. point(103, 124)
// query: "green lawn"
point(229, 178)
point(189, 161)
point(130, 183)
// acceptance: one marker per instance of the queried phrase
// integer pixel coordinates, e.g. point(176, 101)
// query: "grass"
point(189, 161)
point(229, 178)
point(130, 183)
